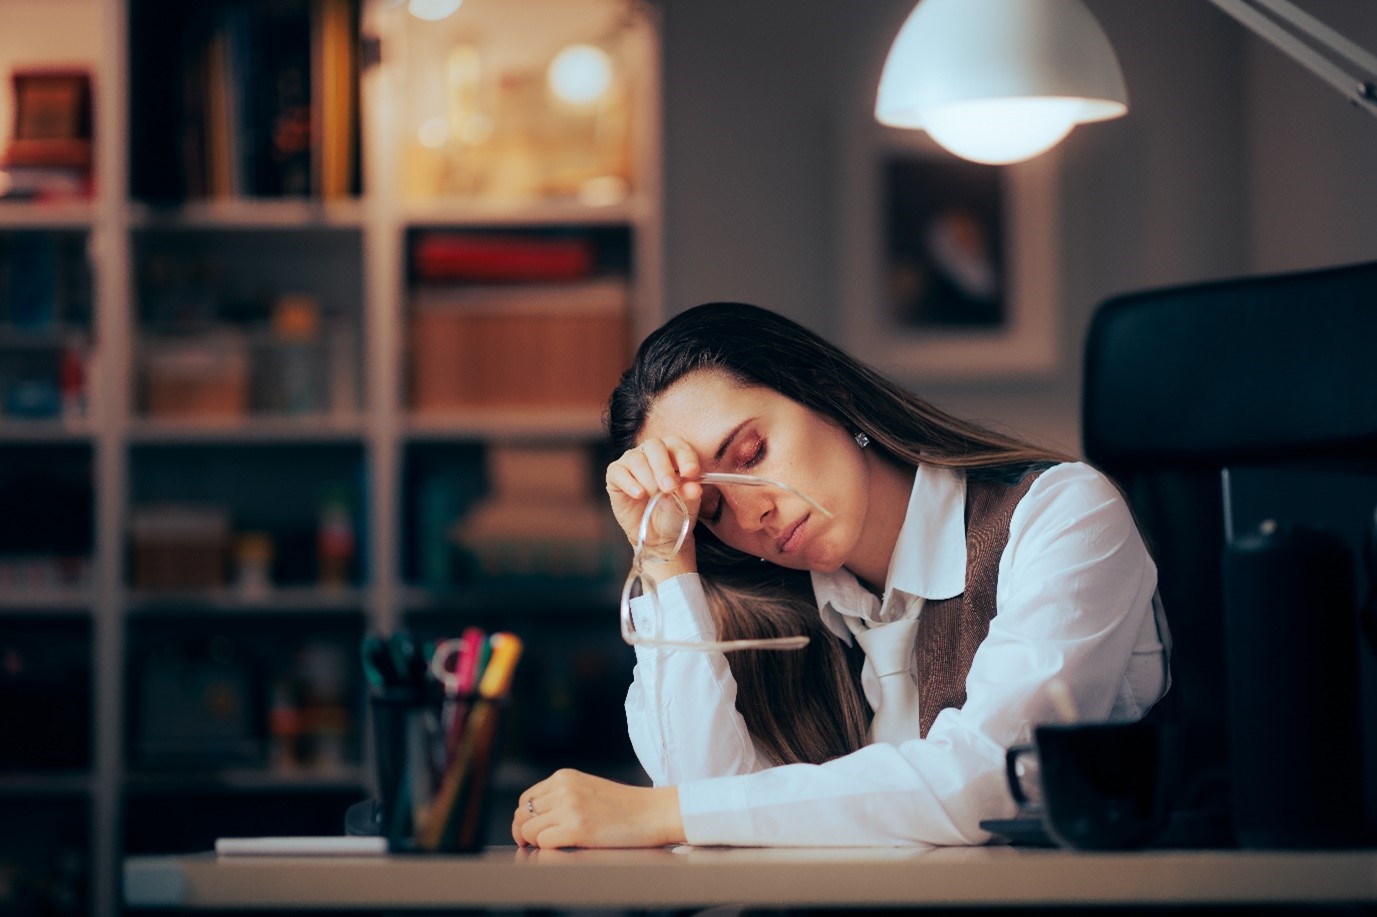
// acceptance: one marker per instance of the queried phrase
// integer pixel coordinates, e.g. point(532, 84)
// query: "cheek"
point(730, 536)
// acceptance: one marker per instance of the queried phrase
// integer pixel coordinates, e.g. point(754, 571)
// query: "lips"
point(792, 540)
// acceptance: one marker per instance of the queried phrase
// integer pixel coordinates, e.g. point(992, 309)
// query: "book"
point(301, 846)
point(448, 255)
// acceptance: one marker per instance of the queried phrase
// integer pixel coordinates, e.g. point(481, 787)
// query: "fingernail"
point(668, 483)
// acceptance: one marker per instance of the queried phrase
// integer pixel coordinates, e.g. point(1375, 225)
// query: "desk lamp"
point(1000, 81)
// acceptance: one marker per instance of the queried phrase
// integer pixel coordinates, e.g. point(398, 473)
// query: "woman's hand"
point(573, 809)
point(655, 466)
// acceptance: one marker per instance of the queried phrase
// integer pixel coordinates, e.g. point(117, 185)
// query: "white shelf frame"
point(384, 426)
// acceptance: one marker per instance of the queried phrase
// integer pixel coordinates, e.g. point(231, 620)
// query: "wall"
point(1311, 182)
point(1229, 162)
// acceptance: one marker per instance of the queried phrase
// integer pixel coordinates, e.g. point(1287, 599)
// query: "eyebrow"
point(727, 441)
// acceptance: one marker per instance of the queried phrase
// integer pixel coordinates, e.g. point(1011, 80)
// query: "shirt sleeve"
point(1076, 586)
point(681, 706)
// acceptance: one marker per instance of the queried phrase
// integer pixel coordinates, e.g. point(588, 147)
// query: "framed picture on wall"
point(949, 268)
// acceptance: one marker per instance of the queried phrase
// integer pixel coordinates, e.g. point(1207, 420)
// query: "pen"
point(497, 676)
point(484, 654)
point(466, 671)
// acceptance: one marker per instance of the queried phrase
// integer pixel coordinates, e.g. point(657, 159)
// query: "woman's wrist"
point(658, 572)
point(665, 813)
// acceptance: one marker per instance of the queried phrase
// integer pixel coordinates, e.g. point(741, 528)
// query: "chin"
point(826, 563)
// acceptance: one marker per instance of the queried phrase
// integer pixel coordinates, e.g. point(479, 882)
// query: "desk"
point(507, 877)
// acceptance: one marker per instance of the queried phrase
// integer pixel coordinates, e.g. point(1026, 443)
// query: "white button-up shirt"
point(1076, 603)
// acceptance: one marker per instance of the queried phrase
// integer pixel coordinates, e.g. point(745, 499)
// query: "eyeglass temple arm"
point(725, 477)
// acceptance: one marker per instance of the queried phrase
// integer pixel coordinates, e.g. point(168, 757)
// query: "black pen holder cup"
point(434, 755)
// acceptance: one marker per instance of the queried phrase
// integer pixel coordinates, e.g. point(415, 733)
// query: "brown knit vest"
point(950, 630)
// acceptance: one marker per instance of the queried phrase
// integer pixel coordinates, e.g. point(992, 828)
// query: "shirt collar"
point(929, 557)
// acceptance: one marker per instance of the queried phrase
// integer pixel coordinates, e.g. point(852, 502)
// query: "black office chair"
point(1183, 382)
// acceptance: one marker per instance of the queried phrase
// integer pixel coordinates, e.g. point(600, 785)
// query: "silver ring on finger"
point(530, 805)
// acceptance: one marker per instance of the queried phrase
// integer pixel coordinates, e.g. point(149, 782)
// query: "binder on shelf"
point(334, 44)
point(245, 99)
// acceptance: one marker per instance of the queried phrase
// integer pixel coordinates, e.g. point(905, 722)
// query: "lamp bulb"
point(580, 74)
point(1002, 131)
point(434, 10)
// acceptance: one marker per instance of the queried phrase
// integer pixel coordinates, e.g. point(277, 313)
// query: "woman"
point(957, 585)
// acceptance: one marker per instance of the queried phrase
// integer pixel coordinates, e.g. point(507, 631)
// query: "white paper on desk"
point(301, 846)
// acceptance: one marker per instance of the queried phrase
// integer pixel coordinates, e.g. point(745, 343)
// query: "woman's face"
point(755, 430)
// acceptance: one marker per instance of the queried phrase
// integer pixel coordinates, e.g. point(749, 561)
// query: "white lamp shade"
point(999, 80)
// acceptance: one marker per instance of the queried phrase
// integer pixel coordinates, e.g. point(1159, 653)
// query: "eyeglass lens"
point(663, 527)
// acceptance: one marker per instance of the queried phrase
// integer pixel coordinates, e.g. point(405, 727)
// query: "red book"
point(470, 256)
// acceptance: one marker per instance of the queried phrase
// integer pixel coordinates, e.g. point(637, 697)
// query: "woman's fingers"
point(654, 466)
point(574, 809)
point(670, 460)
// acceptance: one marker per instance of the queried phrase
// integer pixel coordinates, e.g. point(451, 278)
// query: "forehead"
point(703, 405)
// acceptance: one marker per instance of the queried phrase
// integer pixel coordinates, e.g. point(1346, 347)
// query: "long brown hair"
point(805, 706)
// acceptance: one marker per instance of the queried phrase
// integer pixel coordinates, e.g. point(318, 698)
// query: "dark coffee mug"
point(1096, 786)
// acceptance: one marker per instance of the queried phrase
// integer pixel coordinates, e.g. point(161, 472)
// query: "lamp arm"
point(1361, 91)
point(1284, 9)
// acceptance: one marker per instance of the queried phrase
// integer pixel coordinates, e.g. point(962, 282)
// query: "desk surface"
point(506, 877)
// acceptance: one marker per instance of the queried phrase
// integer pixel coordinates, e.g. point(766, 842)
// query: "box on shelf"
point(196, 708)
point(180, 546)
point(196, 378)
point(541, 517)
point(529, 345)
point(559, 539)
point(555, 472)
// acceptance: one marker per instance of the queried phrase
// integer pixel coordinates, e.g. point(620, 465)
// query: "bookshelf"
point(226, 361)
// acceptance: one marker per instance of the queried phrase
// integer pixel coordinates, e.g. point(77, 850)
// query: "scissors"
point(454, 663)
point(377, 662)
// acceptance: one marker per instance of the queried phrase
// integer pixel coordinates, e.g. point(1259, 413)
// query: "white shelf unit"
point(96, 34)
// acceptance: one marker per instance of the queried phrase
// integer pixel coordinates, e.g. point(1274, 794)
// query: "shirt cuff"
point(684, 607)
point(714, 811)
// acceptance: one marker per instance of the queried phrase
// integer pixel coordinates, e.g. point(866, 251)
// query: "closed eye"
point(752, 454)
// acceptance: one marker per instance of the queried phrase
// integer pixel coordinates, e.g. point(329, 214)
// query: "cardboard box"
point(199, 378)
point(562, 345)
point(178, 546)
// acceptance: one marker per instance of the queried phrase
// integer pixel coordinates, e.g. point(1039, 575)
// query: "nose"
point(750, 506)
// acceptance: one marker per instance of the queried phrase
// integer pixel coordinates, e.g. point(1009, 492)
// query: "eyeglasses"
point(664, 526)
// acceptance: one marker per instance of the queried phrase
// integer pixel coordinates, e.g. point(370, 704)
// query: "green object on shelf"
point(439, 503)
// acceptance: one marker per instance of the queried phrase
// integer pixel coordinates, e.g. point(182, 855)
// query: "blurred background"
point(308, 310)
